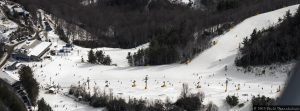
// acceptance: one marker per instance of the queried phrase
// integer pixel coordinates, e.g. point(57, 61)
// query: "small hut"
point(79, 98)
point(51, 90)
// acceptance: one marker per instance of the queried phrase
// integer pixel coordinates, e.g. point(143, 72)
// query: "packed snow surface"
point(207, 68)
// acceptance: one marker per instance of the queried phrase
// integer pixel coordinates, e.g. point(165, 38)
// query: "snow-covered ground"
point(207, 68)
point(59, 102)
point(186, 1)
point(6, 26)
point(87, 2)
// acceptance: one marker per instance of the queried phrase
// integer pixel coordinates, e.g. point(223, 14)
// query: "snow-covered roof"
point(18, 10)
point(38, 49)
point(18, 64)
point(8, 78)
point(52, 89)
point(31, 44)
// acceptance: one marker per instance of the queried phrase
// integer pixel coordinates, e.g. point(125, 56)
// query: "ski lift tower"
point(146, 81)
point(226, 82)
point(88, 81)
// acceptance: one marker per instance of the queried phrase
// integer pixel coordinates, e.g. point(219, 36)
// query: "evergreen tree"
point(232, 100)
point(1, 50)
point(262, 100)
point(130, 59)
point(62, 36)
point(281, 41)
point(31, 86)
point(9, 101)
point(107, 60)
point(43, 106)
point(227, 4)
point(91, 57)
point(100, 56)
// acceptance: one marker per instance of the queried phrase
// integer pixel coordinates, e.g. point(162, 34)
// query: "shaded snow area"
point(88, 2)
point(208, 69)
point(186, 1)
point(182, 1)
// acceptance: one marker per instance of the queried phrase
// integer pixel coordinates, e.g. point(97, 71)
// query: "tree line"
point(98, 57)
point(30, 85)
point(171, 27)
point(2, 50)
point(176, 44)
point(258, 100)
point(186, 102)
point(9, 101)
point(43, 106)
point(134, 22)
point(277, 44)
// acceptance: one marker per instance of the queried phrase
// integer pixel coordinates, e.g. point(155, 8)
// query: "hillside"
point(9, 101)
point(146, 55)
point(176, 29)
point(208, 68)
point(282, 42)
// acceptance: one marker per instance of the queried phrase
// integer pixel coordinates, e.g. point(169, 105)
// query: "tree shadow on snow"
point(153, 68)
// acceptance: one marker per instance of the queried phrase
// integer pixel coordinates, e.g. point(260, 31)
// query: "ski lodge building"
point(32, 50)
point(8, 78)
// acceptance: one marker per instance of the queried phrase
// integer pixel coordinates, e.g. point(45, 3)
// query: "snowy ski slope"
point(207, 68)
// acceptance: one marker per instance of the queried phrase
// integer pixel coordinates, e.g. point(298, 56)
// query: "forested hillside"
point(9, 101)
point(1, 50)
point(275, 44)
point(70, 77)
point(177, 31)
point(172, 46)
